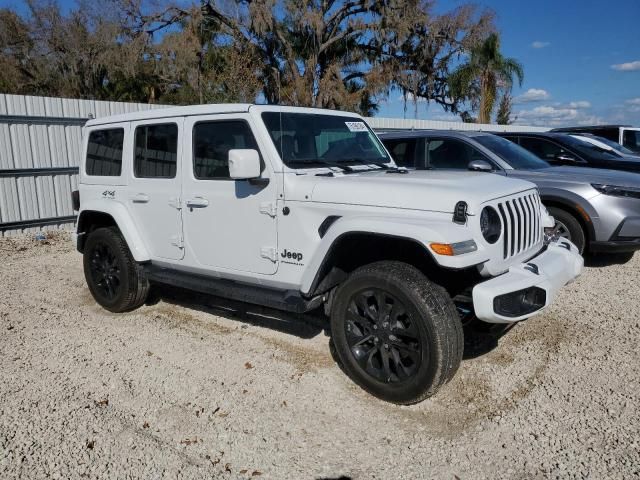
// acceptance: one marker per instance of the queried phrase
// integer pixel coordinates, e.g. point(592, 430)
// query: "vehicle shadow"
point(479, 338)
point(598, 260)
point(304, 326)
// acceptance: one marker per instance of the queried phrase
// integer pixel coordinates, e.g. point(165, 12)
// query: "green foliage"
point(346, 55)
point(485, 73)
point(503, 115)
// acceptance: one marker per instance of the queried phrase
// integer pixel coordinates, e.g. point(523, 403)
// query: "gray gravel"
point(188, 387)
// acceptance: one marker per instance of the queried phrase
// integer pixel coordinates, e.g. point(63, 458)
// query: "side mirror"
point(565, 157)
point(244, 164)
point(480, 166)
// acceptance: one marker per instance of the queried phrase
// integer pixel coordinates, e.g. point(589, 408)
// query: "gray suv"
point(597, 209)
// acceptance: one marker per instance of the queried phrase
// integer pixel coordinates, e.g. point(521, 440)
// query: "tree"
point(420, 50)
point(345, 54)
point(485, 72)
point(503, 116)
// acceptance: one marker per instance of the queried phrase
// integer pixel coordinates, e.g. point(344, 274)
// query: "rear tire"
point(114, 278)
point(570, 227)
point(396, 334)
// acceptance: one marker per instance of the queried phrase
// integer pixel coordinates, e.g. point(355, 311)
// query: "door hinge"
point(269, 252)
point(269, 208)
point(175, 202)
point(177, 241)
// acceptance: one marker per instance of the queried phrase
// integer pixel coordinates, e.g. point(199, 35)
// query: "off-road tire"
point(438, 325)
point(132, 287)
point(577, 234)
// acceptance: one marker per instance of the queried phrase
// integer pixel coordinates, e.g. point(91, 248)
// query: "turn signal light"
point(442, 249)
point(451, 249)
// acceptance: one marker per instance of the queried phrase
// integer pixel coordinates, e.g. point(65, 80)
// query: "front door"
point(154, 189)
point(228, 224)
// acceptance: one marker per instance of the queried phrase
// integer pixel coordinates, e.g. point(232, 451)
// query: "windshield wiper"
point(321, 163)
point(381, 165)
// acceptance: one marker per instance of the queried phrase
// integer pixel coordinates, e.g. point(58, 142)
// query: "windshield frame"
point(346, 165)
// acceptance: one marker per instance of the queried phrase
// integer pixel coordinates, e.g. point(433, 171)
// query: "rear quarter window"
point(104, 152)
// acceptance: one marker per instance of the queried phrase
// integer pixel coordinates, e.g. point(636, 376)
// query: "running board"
point(287, 300)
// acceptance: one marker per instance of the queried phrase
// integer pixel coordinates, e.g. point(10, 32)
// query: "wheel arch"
point(578, 211)
point(353, 249)
point(114, 215)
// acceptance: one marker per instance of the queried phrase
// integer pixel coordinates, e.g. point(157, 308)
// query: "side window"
point(452, 154)
point(541, 148)
point(104, 152)
point(211, 144)
point(403, 152)
point(156, 150)
point(631, 139)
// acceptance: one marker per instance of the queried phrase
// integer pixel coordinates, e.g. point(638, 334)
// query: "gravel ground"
point(193, 387)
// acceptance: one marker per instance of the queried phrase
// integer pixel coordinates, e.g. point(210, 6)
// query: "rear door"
point(154, 189)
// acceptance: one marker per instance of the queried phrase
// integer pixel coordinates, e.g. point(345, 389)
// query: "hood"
point(630, 157)
point(578, 175)
point(431, 190)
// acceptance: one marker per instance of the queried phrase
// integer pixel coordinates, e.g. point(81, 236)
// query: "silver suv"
point(597, 209)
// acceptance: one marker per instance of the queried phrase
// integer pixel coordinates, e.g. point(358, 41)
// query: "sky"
point(581, 61)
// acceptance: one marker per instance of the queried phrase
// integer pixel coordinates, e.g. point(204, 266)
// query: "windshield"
point(606, 141)
point(306, 140)
point(589, 149)
point(516, 156)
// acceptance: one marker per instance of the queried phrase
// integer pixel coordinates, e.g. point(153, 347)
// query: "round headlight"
point(490, 224)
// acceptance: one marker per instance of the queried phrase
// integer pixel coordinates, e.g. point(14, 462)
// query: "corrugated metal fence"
point(40, 143)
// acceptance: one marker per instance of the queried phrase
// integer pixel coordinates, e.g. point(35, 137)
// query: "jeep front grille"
point(520, 224)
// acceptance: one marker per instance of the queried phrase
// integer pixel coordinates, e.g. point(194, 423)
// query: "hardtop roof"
point(208, 109)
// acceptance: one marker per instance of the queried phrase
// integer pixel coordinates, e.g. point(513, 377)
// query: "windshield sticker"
point(356, 126)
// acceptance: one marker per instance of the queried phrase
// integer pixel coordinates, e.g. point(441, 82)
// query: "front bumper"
point(615, 246)
point(533, 284)
point(626, 238)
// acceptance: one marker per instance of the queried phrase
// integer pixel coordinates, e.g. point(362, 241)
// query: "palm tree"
point(486, 71)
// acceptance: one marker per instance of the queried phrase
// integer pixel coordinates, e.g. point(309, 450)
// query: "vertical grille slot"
point(512, 223)
point(520, 224)
point(505, 229)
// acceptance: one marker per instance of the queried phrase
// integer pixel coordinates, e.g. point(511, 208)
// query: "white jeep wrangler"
point(295, 209)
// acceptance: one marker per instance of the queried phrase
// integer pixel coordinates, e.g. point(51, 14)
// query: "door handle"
point(197, 202)
point(140, 198)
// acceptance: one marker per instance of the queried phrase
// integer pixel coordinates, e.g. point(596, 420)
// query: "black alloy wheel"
point(116, 281)
point(382, 336)
point(105, 271)
point(395, 333)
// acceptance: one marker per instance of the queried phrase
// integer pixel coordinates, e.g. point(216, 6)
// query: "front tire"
point(114, 278)
point(396, 334)
point(569, 227)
